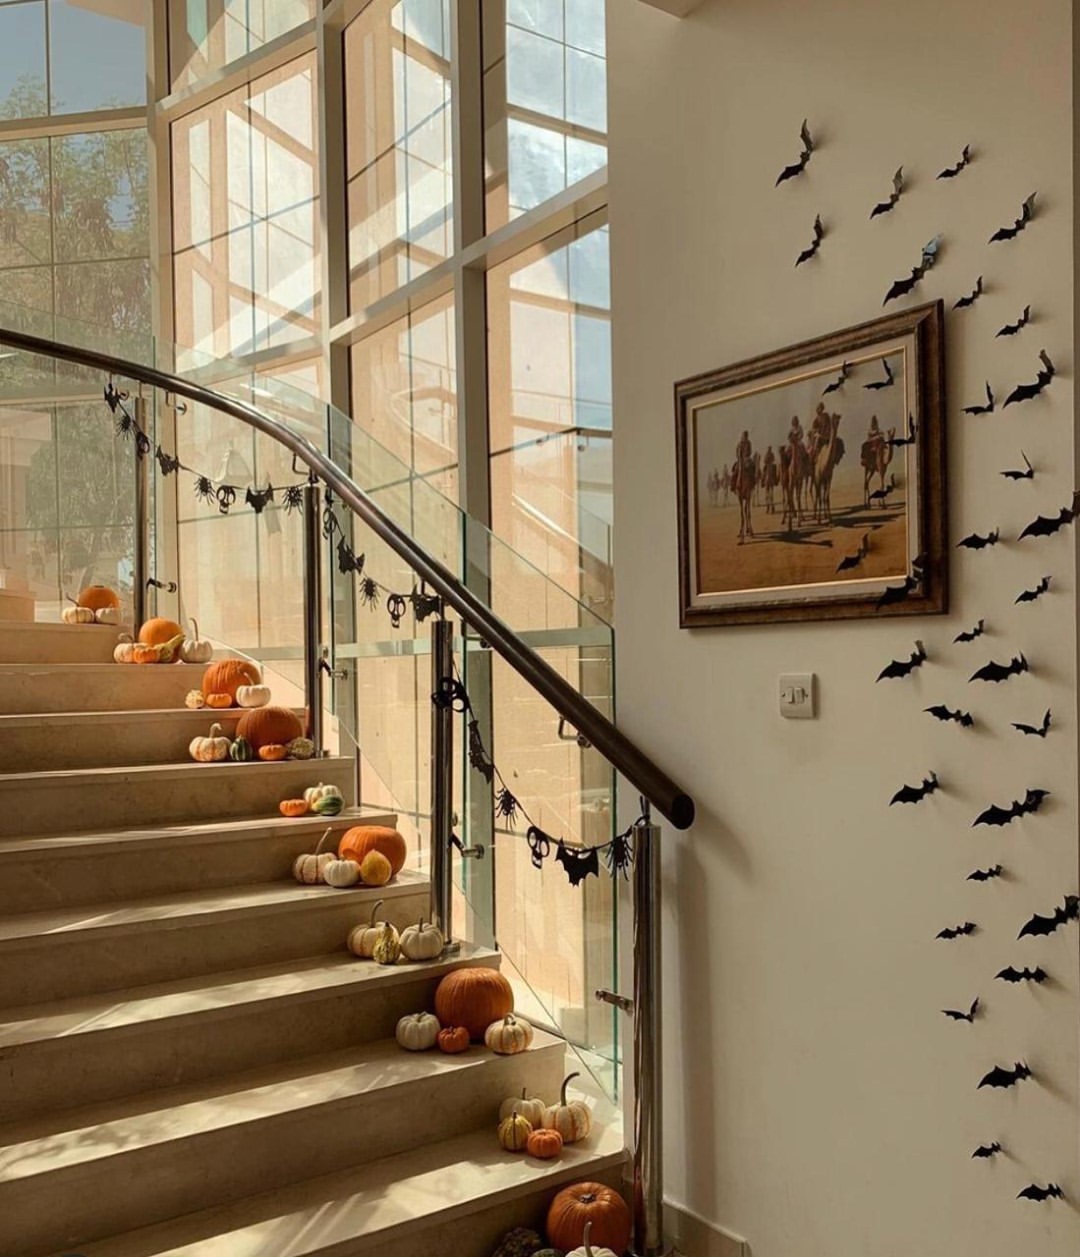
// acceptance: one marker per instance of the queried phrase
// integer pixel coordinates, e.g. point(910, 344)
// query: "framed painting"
point(811, 481)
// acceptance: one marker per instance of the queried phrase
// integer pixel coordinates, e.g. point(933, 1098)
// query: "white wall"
point(818, 1102)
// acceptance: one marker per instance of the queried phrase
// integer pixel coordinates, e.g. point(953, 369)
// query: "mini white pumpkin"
point(77, 615)
point(572, 1119)
point(416, 1032)
point(313, 794)
point(125, 649)
point(341, 874)
point(252, 695)
point(194, 649)
point(509, 1036)
point(212, 749)
point(422, 941)
point(362, 938)
point(310, 868)
point(107, 615)
point(587, 1250)
point(530, 1109)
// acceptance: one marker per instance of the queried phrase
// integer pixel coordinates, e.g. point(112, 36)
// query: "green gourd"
point(241, 751)
point(328, 805)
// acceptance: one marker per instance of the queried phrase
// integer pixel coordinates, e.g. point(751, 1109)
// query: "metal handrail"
point(647, 777)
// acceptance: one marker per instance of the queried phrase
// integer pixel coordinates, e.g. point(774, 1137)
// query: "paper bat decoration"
point(987, 1150)
point(790, 172)
point(1030, 595)
point(838, 383)
point(972, 296)
point(1028, 472)
point(904, 667)
point(969, 635)
point(1034, 1192)
point(819, 235)
point(996, 672)
point(879, 495)
point(941, 712)
point(1038, 926)
point(1043, 527)
point(998, 816)
point(985, 875)
point(957, 931)
point(1011, 329)
point(1025, 392)
point(916, 794)
point(950, 172)
point(1037, 975)
point(900, 593)
point(1038, 731)
point(884, 207)
point(901, 287)
point(853, 560)
point(955, 1015)
point(988, 409)
point(259, 499)
point(578, 864)
point(1027, 213)
point(887, 382)
point(999, 1077)
point(895, 441)
point(975, 542)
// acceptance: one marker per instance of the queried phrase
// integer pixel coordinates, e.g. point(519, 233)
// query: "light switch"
point(796, 695)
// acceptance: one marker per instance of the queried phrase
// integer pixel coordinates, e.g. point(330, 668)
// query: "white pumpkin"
point(509, 1036)
point(522, 1106)
point(313, 794)
point(362, 938)
point(193, 649)
point(587, 1250)
point(342, 874)
point(107, 615)
point(310, 868)
point(77, 615)
point(125, 649)
point(252, 695)
point(416, 1032)
point(212, 749)
point(195, 699)
point(572, 1119)
point(422, 942)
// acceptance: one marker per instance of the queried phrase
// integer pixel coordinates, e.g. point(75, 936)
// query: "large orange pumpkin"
point(357, 842)
point(97, 597)
point(227, 675)
point(473, 998)
point(158, 631)
point(589, 1202)
point(265, 726)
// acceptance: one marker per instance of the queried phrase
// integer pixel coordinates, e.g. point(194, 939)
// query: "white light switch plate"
point(796, 696)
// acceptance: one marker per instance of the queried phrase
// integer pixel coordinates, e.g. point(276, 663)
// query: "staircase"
point(191, 1063)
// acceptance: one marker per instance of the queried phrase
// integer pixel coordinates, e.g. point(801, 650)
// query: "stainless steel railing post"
point(140, 568)
point(313, 613)
point(442, 779)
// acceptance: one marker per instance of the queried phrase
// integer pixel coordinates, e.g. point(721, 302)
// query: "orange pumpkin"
point(545, 1144)
point(217, 700)
point(473, 998)
point(273, 751)
point(453, 1039)
point(293, 807)
point(589, 1202)
point(357, 842)
point(158, 631)
point(145, 654)
point(97, 597)
point(265, 725)
point(227, 675)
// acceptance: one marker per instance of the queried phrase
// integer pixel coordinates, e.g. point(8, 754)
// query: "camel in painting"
point(794, 473)
point(876, 457)
point(826, 457)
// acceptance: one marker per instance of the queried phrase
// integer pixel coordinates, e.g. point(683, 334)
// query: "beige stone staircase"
point(190, 1061)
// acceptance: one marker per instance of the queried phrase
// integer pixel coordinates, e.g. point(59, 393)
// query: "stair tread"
point(83, 668)
point(15, 720)
point(131, 1124)
point(69, 776)
point(408, 1192)
point(219, 993)
point(165, 909)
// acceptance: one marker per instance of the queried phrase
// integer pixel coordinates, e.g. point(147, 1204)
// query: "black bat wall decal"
point(790, 172)
point(1034, 1192)
point(1011, 329)
point(985, 875)
point(1000, 1077)
point(916, 794)
point(819, 235)
point(884, 207)
point(955, 1015)
point(987, 1150)
point(976, 542)
point(901, 287)
point(853, 560)
point(950, 172)
point(973, 296)
point(1038, 731)
point(904, 667)
point(1025, 392)
point(1037, 975)
point(1028, 472)
point(1038, 925)
point(839, 382)
point(1001, 671)
point(895, 441)
point(988, 409)
point(941, 712)
point(887, 382)
point(900, 593)
point(1030, 595)
point(1027, 213)
point(879, 495)
point(1041, 526)
point(957, 931)
point(998, 816)
point(969, 635)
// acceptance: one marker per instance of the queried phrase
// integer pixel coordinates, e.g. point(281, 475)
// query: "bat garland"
point(1038, 731)
point(1025, 392)
point(988, 409)
point(901, 287)
point(812, 250)
point(1038, 925)
point(998, 816)
point(941, 712)
point(964, 302)
point(1027, 213)
point(1026, 473)
point(969, 635)
point(886, 207)
point(916, 794)
point(955, 1015)
point(904, 667)
point(1011, 329)
point(1003, 1078)
point(950, 172)
point(797, 168)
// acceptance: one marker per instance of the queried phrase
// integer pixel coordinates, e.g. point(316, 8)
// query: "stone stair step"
point(53, 687)
point(65, 870)
point(118, 1044)
point(57, 643)
point(451, 1198)
point(158, 1156)
point(108, 947)
point(109, 798)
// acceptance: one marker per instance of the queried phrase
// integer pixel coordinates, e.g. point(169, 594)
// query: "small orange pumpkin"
point(293, 807)
point(263, 725)
point(227, 675)
point(145, 654)
point(217, 700)
point(453, 1039)
point(273, 751)
point(97, 597)
point(158, 631)
point(545, 1144)
point(357, 842)
point(473, 998)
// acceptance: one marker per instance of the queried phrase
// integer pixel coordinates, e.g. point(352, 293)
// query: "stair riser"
point(210, 792)
point(223, 1165)
point(57, 643)
point(81, 963)
point(113, 687)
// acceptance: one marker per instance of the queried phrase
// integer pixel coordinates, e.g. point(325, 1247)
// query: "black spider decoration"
point(478, 756)
point(204, 489)
point(226, 497)
point(424, 604)
point(451, 693)
point(578, 863)
point(507, 807)
point(259, 499)
point(168, 463)
point(369, 592)
point(539, 845)
point(620, 854)
point(294, 498)
point(125, 425)
point(395, 608)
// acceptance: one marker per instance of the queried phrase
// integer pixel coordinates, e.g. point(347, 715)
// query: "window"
point(205, 35)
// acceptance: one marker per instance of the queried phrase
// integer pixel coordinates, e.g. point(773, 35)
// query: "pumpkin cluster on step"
point(229, 683)
point(160, 641)
point(96, 604)
point(528, 1124)
point(367, 855)
point(583, 1220)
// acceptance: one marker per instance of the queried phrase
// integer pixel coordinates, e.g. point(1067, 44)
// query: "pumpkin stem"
point(585, 1239)
point(215, 731)
point(566, 1083)
point(195, 626)
point(323, 839)
point(378, 905)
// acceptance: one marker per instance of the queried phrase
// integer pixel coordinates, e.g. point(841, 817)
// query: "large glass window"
point(205, 35)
